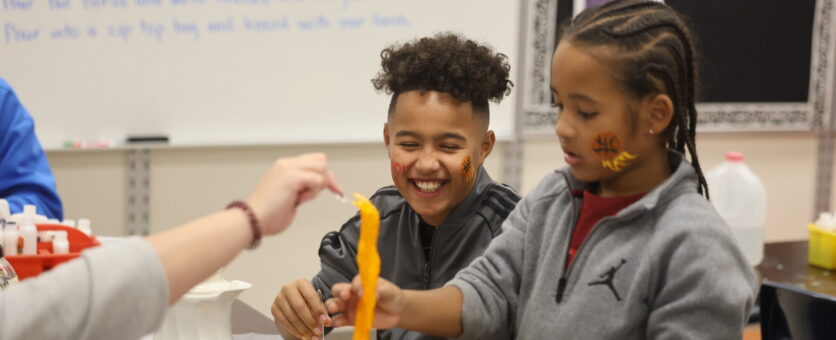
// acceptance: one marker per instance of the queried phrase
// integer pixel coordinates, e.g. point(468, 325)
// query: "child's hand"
point(387, 312)
point(298, 308)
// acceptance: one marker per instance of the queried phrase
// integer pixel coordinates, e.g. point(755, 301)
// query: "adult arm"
point(120, 291)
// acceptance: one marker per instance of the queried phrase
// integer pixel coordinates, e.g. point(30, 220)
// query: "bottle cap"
point(734, 156)
point(84, 226)
point(30, 210)
point(28, 216)
point(5, 213)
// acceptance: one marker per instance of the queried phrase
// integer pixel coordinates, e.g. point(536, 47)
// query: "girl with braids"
point(621, 244)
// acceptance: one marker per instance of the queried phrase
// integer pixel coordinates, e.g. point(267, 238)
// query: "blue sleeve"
point(25, 176)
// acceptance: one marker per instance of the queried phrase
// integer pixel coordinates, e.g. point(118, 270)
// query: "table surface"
point(786, 262)
point(246, 319)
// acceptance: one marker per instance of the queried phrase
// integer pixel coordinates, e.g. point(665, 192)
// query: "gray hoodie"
point(665, 267)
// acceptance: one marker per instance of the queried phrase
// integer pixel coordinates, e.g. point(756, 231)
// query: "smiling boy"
point(443, 209)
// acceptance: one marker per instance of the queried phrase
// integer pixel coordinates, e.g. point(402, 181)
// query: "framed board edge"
point(537, 117)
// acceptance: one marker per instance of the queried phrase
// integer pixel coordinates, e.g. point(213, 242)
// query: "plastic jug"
point(740, 198)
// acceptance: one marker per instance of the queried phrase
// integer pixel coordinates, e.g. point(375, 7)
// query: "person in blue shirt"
point(25, 176)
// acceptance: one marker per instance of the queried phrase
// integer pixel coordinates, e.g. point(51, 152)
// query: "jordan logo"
point(607, 278)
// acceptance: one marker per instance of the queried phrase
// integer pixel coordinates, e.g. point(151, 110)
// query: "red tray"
point(27, 266)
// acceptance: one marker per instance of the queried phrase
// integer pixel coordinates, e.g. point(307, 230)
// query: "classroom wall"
point(189, 182)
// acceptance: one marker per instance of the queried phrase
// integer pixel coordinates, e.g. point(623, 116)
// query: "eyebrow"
point(451, 135)
point(583, 98)
point(448, 135)
point(576, 96)
point(406, 133)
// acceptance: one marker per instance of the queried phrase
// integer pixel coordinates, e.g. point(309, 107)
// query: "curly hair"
point(448, 63)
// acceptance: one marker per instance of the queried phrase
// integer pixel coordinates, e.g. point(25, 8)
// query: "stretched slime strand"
point(368, 260)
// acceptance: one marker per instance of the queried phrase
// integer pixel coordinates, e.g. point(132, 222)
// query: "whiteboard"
point(221, 72)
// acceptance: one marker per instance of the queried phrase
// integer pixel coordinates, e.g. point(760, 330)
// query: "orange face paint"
point(398, 168)
point(368, 261)
point(468, 170)
point(608, 147)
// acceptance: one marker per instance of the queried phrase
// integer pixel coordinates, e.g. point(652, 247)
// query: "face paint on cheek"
point(608, 147)
point(619, 162)
point(398, 168)
point(468, 170)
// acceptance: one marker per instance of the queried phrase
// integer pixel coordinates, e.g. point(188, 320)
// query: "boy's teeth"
point(428, 186)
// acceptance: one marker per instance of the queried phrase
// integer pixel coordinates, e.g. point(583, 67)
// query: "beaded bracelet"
point(253, 221)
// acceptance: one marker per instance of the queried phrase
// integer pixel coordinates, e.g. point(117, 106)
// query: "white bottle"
point(46, 236)
point(28, 231)
point(740, 198)
point(84, 226)
point(10, 236)
point(60, 245)
point(5, 213)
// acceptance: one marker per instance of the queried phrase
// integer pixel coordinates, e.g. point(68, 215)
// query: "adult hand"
point(289, 182)
point(387, 311)
point(299, 310)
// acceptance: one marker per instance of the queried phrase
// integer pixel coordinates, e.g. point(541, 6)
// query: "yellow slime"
point(368, 260)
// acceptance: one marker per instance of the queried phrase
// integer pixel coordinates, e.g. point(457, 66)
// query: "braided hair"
point(654, 54)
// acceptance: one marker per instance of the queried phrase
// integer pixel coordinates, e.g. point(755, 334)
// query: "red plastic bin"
point(27, 266)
